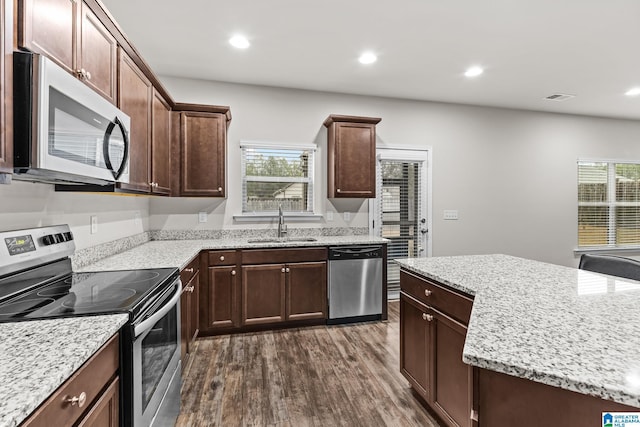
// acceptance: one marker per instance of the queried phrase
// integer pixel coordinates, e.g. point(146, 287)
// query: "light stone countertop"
point(37, 356)
point(178, 253)
point(556, 325)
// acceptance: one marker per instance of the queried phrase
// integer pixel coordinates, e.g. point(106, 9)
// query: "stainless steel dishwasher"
point(355, 283)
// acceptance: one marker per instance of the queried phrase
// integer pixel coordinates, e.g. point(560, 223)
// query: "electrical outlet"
point(329, 215)
point(94, 224)
point(450, 215)
point(347, 216)
point(202, 217)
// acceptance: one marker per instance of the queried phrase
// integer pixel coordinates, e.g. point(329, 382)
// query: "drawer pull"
point(189, 270)
point(77, 400)
point(221, 257)
point(283, 270)
point(427, 317)
point(287, 270)
point(338, 190)
point(427, 292)
point(220, 189)
point(233, 272)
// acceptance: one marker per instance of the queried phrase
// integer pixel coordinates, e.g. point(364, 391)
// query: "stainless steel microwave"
point(64, 132)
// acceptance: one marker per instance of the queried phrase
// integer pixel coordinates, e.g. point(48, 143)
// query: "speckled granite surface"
point(556, 325)
point(178, 253)
point(36, 357)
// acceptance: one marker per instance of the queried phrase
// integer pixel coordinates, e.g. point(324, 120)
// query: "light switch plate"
point(202, 217)
point(450, 215)
point(94, 224)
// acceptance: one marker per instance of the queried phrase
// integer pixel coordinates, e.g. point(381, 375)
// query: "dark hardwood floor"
point(316, 376)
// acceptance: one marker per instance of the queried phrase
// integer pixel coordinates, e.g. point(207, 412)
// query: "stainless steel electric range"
point(37, 282)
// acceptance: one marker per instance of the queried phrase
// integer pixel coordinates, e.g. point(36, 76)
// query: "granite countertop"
point(556, 325)
point(30, 371)
point(179, 253)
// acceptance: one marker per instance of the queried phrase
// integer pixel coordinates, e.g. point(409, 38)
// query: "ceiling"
point(529, 48)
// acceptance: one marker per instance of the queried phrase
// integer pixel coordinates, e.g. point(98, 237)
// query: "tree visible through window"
point(608, 204)
point(274, 176)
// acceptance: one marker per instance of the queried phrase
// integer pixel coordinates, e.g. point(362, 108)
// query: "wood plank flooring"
point(344, 375)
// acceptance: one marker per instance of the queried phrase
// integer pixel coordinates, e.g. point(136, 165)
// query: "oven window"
point(76, 133)
point(158, 347)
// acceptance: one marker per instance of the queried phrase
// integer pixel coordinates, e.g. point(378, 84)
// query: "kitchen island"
point(547, 324)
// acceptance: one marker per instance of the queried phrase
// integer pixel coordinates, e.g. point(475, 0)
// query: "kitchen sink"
point(283, 240)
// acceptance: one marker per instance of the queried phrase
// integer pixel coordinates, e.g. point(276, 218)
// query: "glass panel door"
point(400, 211)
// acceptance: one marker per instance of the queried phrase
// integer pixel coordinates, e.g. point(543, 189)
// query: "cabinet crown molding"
point(333, 118)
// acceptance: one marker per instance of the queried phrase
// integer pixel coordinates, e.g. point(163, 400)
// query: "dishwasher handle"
point(354, 252)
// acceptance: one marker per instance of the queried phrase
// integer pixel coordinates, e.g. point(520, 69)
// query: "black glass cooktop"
point(73, 294)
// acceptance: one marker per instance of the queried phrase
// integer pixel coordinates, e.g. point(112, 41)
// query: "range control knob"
point(68, 236)
point(48, 240)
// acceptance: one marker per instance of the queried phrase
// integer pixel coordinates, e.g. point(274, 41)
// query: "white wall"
point(26, 205)
point(511, 174)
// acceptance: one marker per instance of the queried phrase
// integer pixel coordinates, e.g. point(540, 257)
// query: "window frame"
point(611, 204)
point(310, 212)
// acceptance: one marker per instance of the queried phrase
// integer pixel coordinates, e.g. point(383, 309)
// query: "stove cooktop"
point(89, 293)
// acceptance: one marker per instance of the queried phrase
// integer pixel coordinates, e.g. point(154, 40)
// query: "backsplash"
point(86, 256)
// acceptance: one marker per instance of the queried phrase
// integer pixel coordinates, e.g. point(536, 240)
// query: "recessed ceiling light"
point(633, 92)
point(368, 58)
point(240, 42)
point(473, 72)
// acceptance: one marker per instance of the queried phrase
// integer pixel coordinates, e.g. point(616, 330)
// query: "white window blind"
point(400, 212)
point(277, 175)
point(608, 204)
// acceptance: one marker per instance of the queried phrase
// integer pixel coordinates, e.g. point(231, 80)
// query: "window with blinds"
point(275, 175)
point(608, 204)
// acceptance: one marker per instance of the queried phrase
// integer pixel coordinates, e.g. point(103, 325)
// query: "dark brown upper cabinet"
point(351, 156)
point(76, 39)
point(6, 98)
point(201, 140)
point(135, 98)
point(160, 146)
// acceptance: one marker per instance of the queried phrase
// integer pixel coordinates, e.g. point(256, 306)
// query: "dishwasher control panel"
point(354, 252)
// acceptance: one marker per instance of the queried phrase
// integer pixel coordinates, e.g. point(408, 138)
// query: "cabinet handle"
point(427, 317)
point(79, 400)
point(87, 75)
point(427, 293)
point(288, 269)
point(189, 270)
point(474, 415)
point(192, 288)
point(220, 189)
point(233, 272)
point(283, 269)
point(221, 257)
point(338, 190)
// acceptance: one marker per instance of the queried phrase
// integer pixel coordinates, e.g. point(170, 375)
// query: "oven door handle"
point(148, 323)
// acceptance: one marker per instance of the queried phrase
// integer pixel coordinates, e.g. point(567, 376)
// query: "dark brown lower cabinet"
point(223, 297)
point(415, 335)
point(106, 411)
point(276, 293)
point(263, 294)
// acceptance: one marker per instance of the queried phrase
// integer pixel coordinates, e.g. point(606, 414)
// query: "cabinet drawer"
point(187, 273)
point(437, 296)
point(90, 379)
point(222, 258)
point(283, 256)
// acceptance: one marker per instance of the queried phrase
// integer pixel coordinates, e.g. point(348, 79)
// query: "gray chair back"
point(612, 265)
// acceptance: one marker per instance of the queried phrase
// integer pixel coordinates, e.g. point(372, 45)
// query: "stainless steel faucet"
point(282, 227)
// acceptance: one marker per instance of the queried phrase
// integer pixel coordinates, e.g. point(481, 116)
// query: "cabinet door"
point(452, 379)
point(50, 27)
point(97, 55)
point(415, 334)
point(185, 327)
point(6, 98)
point(161, 146)
point(105, 412)
point(263, 289)
point(223, 297)
point(134, 98)
point(194, 312)
point(355, 160)
point(204, 140)
point(306, 290)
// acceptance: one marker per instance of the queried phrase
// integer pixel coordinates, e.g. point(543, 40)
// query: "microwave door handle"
point(105, 147)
